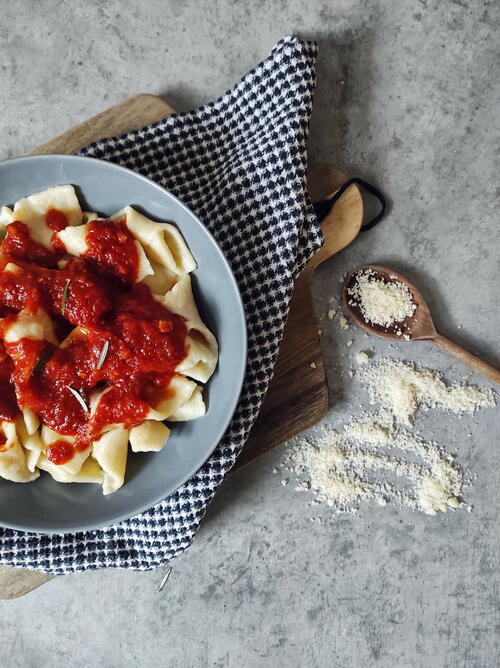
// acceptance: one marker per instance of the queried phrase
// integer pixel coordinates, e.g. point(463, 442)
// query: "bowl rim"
point(239, 370)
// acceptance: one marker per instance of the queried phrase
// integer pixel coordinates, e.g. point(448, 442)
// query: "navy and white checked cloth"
point(240, 164)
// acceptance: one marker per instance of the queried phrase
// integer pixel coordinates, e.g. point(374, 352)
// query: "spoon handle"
point(472, 360)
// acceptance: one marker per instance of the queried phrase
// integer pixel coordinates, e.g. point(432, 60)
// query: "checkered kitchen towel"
point(240, 164)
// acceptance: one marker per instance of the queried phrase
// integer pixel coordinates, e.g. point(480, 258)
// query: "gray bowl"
point(47, 506)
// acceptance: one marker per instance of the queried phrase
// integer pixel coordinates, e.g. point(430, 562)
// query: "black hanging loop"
point(324, 207)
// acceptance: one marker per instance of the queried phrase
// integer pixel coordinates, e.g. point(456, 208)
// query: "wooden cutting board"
point(298, 394)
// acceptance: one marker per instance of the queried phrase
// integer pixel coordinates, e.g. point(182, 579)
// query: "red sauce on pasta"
point(59, 452)
point(112, 249)
point(3, 441)
point(19, 244)
point(56, 220)
point(113, 336)
point(8, 404)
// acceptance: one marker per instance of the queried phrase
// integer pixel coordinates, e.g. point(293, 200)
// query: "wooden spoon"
point(417, 327)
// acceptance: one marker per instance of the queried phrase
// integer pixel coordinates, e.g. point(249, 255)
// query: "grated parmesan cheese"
point(362, 357)
point(339, 465)
point(380, 302)
point(402, 388)
point(343, 322)
point(372, 459)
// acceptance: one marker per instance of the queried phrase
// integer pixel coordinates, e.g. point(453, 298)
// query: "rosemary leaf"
point(165, 578)
point(65, 296)
point(78, 397)
point(103, 354)
point(44, 357)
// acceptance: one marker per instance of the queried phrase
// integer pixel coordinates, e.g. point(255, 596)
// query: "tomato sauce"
point(56, 220)
point(112, 249)
point(59, 452)
point(19, 244)
point(3, 441)
point(114, 337)
point(8, 404)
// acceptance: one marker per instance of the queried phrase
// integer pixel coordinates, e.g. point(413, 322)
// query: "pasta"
point(101, 340)
point(6, 217)
point(110, 452)
point(75, 241)
point(34, 211)
point(13, 464)
point(150, 436)
point(162, 241)
point(201, 358)
point(31, 442)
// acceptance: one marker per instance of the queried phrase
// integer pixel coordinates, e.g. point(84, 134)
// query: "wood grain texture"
point(298, 394)
point(15, 582)
point(131, 114)
point(467, 357)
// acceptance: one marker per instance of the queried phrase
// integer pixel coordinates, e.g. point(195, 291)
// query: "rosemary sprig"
point(44, 357)
point(103, 354)
point(78, 397)
point(165, 578)
point(65, 296)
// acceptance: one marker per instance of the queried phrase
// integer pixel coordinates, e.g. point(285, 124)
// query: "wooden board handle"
point(15, 582)
point(343, 222)
point(472, 360)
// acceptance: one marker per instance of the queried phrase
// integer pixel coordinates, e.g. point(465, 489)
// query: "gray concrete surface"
point(408, 97)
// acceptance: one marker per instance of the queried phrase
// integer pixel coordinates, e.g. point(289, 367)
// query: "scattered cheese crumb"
point(436, 488)
point(275, 470)
point(402, 388)
point(331, 313)
point(345, 467)
point(349, 343)
point(313, 365)
point(343, 322)
point(341, 463)
point(284, 482)
point(381, 302)
point(362, 358)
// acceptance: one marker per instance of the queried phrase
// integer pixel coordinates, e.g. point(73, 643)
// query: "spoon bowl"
point(417, 327)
